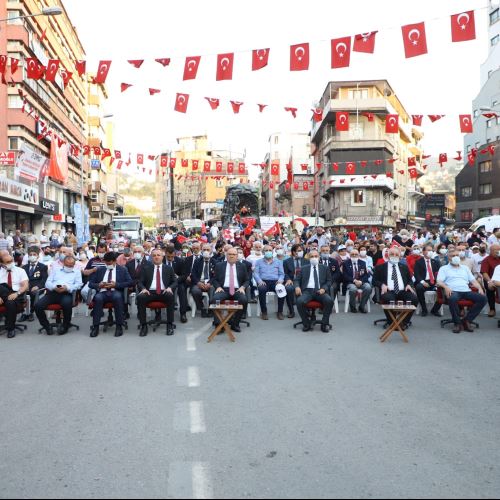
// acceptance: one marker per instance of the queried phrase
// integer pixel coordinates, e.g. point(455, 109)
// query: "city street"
point(280, 413)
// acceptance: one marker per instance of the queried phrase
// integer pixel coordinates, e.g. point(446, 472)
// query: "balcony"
point(94, 187)
point(357, 181)
point(415, 191)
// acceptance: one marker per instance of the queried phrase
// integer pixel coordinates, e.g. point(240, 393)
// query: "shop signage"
point(49, 206)
point(364, 220)
point(30, 165)
point(12, 190)
point(7, 158)
point(57, 217)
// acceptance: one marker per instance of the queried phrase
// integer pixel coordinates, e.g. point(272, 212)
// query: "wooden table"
point(398, 316)
point(224, 319)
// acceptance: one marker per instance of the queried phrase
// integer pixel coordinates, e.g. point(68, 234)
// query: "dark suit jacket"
point(289, 267)
point(39, 276)
point(135, 273)
point(123, 279)
point(325, 277)
point(420, 271)
point(188, 265)
point(179, 269)
point(380, 275)
point(196, 275)
point(147, 277)
point(335, 269)
point(348, 274)
point(220, 275)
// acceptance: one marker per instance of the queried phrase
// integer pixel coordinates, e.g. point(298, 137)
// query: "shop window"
point(466, 192)
point(486, 188)
point(358, 198)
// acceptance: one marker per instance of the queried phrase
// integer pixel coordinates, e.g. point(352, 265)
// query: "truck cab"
point(131, 226)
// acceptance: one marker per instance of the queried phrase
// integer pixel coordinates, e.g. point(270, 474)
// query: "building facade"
point(51, 204)
point(367, 198)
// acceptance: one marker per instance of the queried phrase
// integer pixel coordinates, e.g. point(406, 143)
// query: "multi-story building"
point(52, 203)
point(438, 209)
point(478, 185)
point(296, 202)
point(284, 148)
point(368, 198)
point(180, 197)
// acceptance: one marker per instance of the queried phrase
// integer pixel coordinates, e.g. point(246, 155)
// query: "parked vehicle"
point(130, 225)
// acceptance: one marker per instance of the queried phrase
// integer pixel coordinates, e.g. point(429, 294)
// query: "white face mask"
point(68, 269)
point(83, 256)
point(443, 251)
point(33, 258)
point(355, 260)
point(314, 261)
point(138, 256)
point(362, 254)
point(101, 255)
point(455, 260)
point(462, 255)
point(300, 255)
point(416, 252)
point(207, 255)
point(280, 253)
point(394, 260)
point(110, 267)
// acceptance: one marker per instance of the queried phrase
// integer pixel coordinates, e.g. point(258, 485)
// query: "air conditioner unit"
point(95, 208)
point(94, 197)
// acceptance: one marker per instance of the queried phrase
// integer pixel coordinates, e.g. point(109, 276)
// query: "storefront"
point(17, 205)
point(47, 209)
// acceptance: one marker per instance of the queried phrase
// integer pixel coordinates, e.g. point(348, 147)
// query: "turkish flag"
point(466, 124)
point(273, 231)
point(491, 149)
point(184, 163)
point(364, 164)
point(52, 69)
point(230, 167)
point(299, 57)
point(412, 162)
point(417, 120)
point(3, 64)
point(191, 67)
point(34, 69)
point(96, 150)
point(14, 64)
point(173, 162)
point(241, 168)
point(472, 158)
point(118, 155)
point(140, 159)
point(81, 67)
point(164, 61)
point(392, 124)
point(341, 52)
point(102, 72)
point(125, 86)
point(137, 63)
point(304, 167)
point(86, 150)
point(214, 103)
point(370, 116)
point(463, 27)
point(292, 110)
point(154, 91)
point(207, 166)
point(262, 107)
point(260, 59)
point(443, 158)
point(414, 39)
point(342, 121)
point(236, 106)
point(218, 167)
point(275, 169)
point(66, 76)
point(106, 153)
point(435, 118)
point(305, 186)
point(194, 164)
point(350, 168)
point(317, 115)
point(389, 174)
point(163, 161)
point(413, 173)
point(181, 103)
point(379, 162)
point(75, 150)
point(365, 42)
point(225, 64)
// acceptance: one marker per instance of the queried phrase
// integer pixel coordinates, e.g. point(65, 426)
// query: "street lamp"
point(46, 11)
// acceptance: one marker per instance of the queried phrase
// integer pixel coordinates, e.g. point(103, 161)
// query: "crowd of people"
point(245, 265)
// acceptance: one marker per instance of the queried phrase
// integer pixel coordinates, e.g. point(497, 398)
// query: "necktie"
point(231, 280)
point(356, 273)
point(158, 280)
point(297, 263)
point(205, 271)
point(9, 279)
point(110, 276)
point(32, 271)
point(431, 274)
point(395, 278)
point(316, 279)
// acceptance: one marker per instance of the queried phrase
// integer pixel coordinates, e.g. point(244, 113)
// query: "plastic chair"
point(268, 294)
point(358, 296)
point(430, 299)
point(312, 307)
point(192, 303)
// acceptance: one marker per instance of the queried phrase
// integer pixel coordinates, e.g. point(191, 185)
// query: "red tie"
point(158, 281)
point(431, 274)
point(9, 279)
point(231, 280)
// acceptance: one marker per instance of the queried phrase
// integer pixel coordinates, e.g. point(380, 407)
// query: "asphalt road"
point(278, 414)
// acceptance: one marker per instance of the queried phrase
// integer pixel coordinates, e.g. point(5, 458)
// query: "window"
point(358, 197)
point(358, 94)
point(476, 113)
point(486, 188)
point(495, 40)
point(466, 215)
point(488, 123)
point(15, 102)
point(466, 192)
point(485, 166)
point(11, 14)
point(276, 140)
point(357, 131)
point(485, 212)
point(494, 16)
point(14, 143)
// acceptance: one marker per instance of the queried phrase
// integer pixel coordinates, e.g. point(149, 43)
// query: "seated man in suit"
point(37, 275)
point(230, 282)
point(357, 278)
point(203, 272)
point(110, 283)
point(292, 267)
point(157, 283)
point(14, 284)
point(181, 273)
point(61, 285)
point(395, 283)
point(135, 266)
point(312, 284)
point(335, 270)
point(425, 273)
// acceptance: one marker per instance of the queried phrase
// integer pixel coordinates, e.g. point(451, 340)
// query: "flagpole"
point(291, 187)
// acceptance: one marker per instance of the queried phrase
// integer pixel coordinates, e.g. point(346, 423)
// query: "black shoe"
point(31, 318)
point(24, 317)
point(236, 329)
point(45, 329)
point(119, 331)
point(291, 315)
point(94, 332)
point(424, 314)
point(127, 315)
point(457, 329)
point(325, 328)
point(189, 309)
point(11, 334)
point(436, 313)
point(354, 310)
point(144, 331)
point(170, 330)
point(62, 330)
point(306, 328)
point(362, 310)
point(467, 326)
point(184, 319)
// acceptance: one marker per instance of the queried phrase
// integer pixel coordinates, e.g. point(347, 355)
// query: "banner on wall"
point(58, 166)
point(30, 165)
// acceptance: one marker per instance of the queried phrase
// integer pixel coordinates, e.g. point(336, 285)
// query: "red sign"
point(8, 158)
point(57, 218)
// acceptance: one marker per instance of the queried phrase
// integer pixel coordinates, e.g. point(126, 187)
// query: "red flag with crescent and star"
point(414, 40)
point(463, 27)
point(260, 59)
point(299, 57)
point(365, 42)
point(341, 52)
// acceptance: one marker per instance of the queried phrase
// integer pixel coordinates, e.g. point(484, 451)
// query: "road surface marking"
point(197, 417)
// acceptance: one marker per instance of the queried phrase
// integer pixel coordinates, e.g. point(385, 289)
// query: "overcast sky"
point(443, 82)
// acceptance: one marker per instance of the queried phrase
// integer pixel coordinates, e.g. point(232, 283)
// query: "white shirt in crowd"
point(214, 231)
point(155, 274)
point(44, 239)
point(477, 258)
point(496, 274)
point(113, 277)
point(390, 281)
point(18, 276)
point(232, 268)
point(493, 240)
point(311, 283)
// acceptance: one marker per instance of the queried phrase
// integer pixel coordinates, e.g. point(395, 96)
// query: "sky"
point(443, 82)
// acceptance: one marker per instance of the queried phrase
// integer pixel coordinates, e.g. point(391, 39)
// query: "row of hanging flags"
point(118, 159)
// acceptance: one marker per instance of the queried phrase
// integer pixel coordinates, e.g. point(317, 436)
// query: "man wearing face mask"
point(488, 267)
point(411, 260)
point(201, 275)
point(426, 272)
point(395, 282)
point(455, 280)
point(61, 284)
point(37, 274)
point(14, 284)
point(292, 268)
point(356, 278)
point(335, 270)
point(403, 239)
point(110, 283)
point(97, 262)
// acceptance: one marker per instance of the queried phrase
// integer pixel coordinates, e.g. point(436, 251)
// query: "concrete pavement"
point(280, 413)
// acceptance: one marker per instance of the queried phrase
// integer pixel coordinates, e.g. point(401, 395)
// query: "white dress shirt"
point(113, 278)
point(230, 267)
point(153, 284)
point(390, 281)
point(311, 283)
point(427, 277)
point(18, 276)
